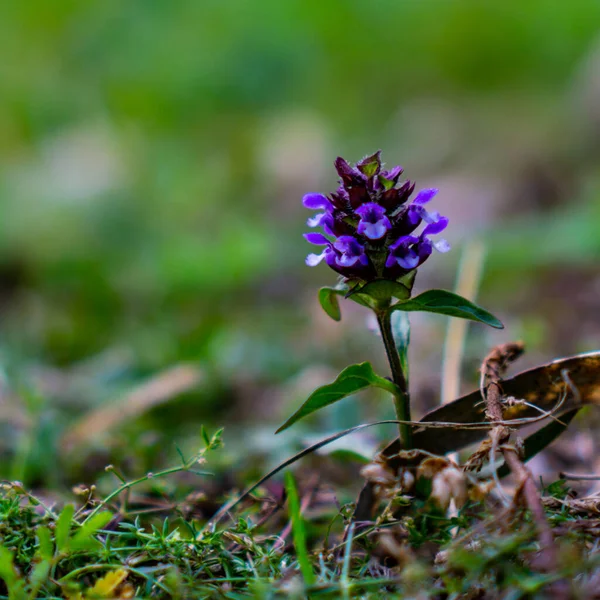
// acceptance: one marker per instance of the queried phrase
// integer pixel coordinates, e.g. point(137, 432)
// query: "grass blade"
point(298, 532)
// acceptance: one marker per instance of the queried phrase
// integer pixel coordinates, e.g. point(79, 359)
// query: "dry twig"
point(493, 368)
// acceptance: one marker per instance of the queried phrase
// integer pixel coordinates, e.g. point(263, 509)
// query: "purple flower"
point(436, 226)
point(312, 260)
point(370, 223)
point(404, 252)
point(325, 219)
point(350, 252)
point(418, 213)
point(316, 201)
point(410, 251)
point(374, 223)
point(343, 254)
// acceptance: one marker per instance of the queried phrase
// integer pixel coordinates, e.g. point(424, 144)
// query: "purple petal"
point(406, 257)
point(425, 248)
point(350, 251)
point(393, 173)
point(374, 223)
point(330, 259)
point(415, 214)
point(401, 254)
point(404, 240)
point(316, 220)
point(390, 261)
point(346, 243)
point(425, 196)
point(343, 260)
point(442, 246)
point(317, 238)
point(324, 220)
point(430, 217)
point(314, 201)
point(436, 226)
point(312, 260)
point(374, 231)
point(370, 211)
point(409, 261)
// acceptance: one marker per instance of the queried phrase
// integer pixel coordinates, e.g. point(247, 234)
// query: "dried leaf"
point(542, 387)
point(106, 586)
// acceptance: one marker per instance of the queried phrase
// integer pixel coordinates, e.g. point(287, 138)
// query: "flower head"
point(371, 222)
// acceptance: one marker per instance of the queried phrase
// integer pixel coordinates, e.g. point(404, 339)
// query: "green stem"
point(402, 399)
point(129, 484)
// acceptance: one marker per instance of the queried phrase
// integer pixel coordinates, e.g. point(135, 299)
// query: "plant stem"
point(402, 399)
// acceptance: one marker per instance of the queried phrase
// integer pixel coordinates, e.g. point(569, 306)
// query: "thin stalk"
point(402, 399)
point(148, 476)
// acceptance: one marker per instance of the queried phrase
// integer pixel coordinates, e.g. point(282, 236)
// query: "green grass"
point(105, 547)
point(152, 161)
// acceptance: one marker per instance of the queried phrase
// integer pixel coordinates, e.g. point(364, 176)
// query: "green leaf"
point(379, 293)
point(329, 301)
point(298, 532)
point(204, 435)
point(349, 381)
point(386, 183)
point(345, 455)
point(39, 573)
point(229, 506)
point(84, 538)
point(443, 302)
point(543, 387)
point(370, 165)
point(401, 332)
point(63, 526)
point(45, 547)
point(408, 280)
point(7, 568)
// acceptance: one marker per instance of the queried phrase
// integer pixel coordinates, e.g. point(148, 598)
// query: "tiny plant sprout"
point(375, 232)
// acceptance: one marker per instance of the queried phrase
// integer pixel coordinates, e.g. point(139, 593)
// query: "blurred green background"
point(153, 157)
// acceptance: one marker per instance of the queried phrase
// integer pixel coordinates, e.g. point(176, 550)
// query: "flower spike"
point(371, 223)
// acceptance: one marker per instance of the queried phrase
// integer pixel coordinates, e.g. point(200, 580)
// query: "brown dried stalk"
point(493, 368)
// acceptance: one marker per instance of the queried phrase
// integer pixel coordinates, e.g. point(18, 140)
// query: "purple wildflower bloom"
point(374, 223)
point(436, 226)
point(312, 260)
point(350, 251)
point(418, 213)
point(324, 220)
point(317, 201)
point(410, 251)
point(403, 252)
point(370, 222)
point(433, 228)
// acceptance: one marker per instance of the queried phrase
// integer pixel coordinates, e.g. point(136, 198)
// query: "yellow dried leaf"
point(106, 586)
